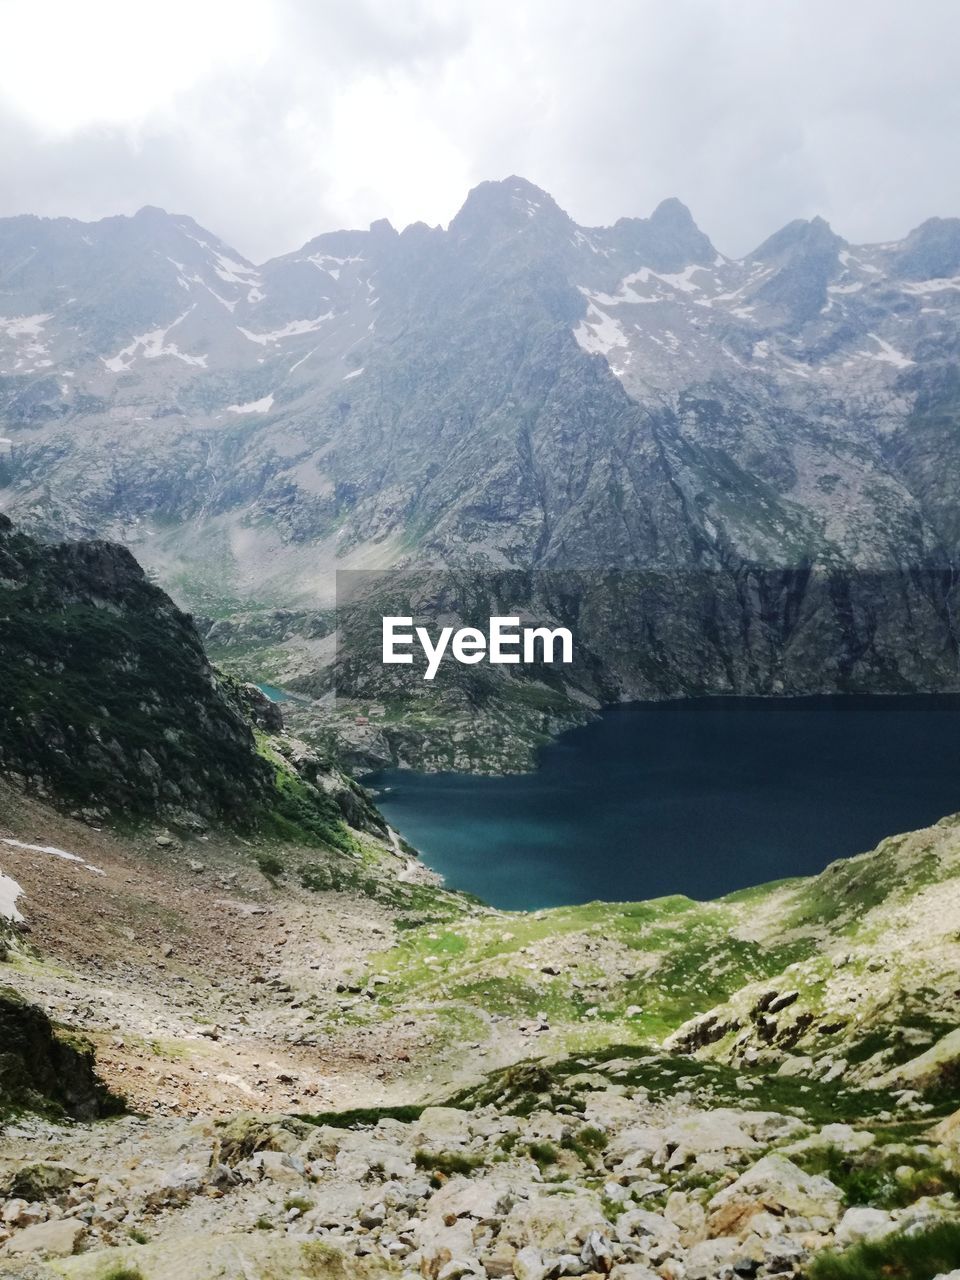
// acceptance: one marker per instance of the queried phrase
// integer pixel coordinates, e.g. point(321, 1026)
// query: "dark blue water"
point(698, 797)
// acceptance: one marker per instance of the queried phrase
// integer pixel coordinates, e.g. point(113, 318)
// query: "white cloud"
point(272, 120)
point(67, 66)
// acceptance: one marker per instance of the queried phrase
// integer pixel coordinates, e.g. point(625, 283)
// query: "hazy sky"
point(272, 120)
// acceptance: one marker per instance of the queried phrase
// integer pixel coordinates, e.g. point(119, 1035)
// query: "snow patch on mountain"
point(10, 891)
point(292, 330)
point(23, 326)
point(923, 287)
point(599, 332)
point(322, 262)
point(888, 354)
point(30, 350)
point(234, 272)
point(53, 851)
point(153, 346)
point(253, 406)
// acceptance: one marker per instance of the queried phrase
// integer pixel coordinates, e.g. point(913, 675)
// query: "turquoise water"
point(698, 797)
point(273, 693)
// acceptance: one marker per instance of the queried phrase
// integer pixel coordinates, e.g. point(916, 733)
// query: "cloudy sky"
point(272, 120)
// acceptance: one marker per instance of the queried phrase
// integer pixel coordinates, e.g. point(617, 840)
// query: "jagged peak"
point(668, 240)
point(931, 250)
point(514, 185)
point(673, 213)
point(803, 236)
point(416, 231)
point(508, 200)
point(383, 227)
point(935, 227)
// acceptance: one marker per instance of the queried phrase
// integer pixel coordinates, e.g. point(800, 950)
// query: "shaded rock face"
point(41, 1070)
point(109, 702)
point(653, 634)
point(259, 709)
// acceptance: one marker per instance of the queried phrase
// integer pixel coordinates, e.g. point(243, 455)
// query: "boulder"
point(795, 1066)
point(608, 1110)
point(440, 1244)
point(335, 1206)
point(483, 1199)
point(636, 1145)
point(440, 1127)
point(710, 1258)
point(529, 1264)
point(13, 1212)
point(703, 1132)
point(948, 1130)
point(688, 1216)
point(642, 1224)
point(777, 1185)
point(39, 1181)
point(456, 1268)
point(596, 1254)
point(57, 1239)
point(499, 1261)
point(862, 1223)
point(278, 1166)
point(555, 1222)
point(844, 1137)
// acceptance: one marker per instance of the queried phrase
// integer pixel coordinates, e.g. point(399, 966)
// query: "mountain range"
point(511, 391)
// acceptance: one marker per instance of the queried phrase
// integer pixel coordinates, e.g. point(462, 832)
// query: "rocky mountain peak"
point(151, 212)
point(801, 259)
point(673, 213)
point(931, 251)
point(383, 228)
point(804, 238)
point(510, 204)
point(668, 240)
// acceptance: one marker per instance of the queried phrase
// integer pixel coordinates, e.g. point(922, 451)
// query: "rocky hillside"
point(110, 707)
point(46, 1072)
point(761, 1086)
point(108, 699)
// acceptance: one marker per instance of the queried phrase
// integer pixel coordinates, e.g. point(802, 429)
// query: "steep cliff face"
point(108, 700)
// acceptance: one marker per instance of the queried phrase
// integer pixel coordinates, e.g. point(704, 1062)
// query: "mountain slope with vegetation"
point(333, 1067)
point(108, 698)
point(110, 706)
point(764, 1085)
